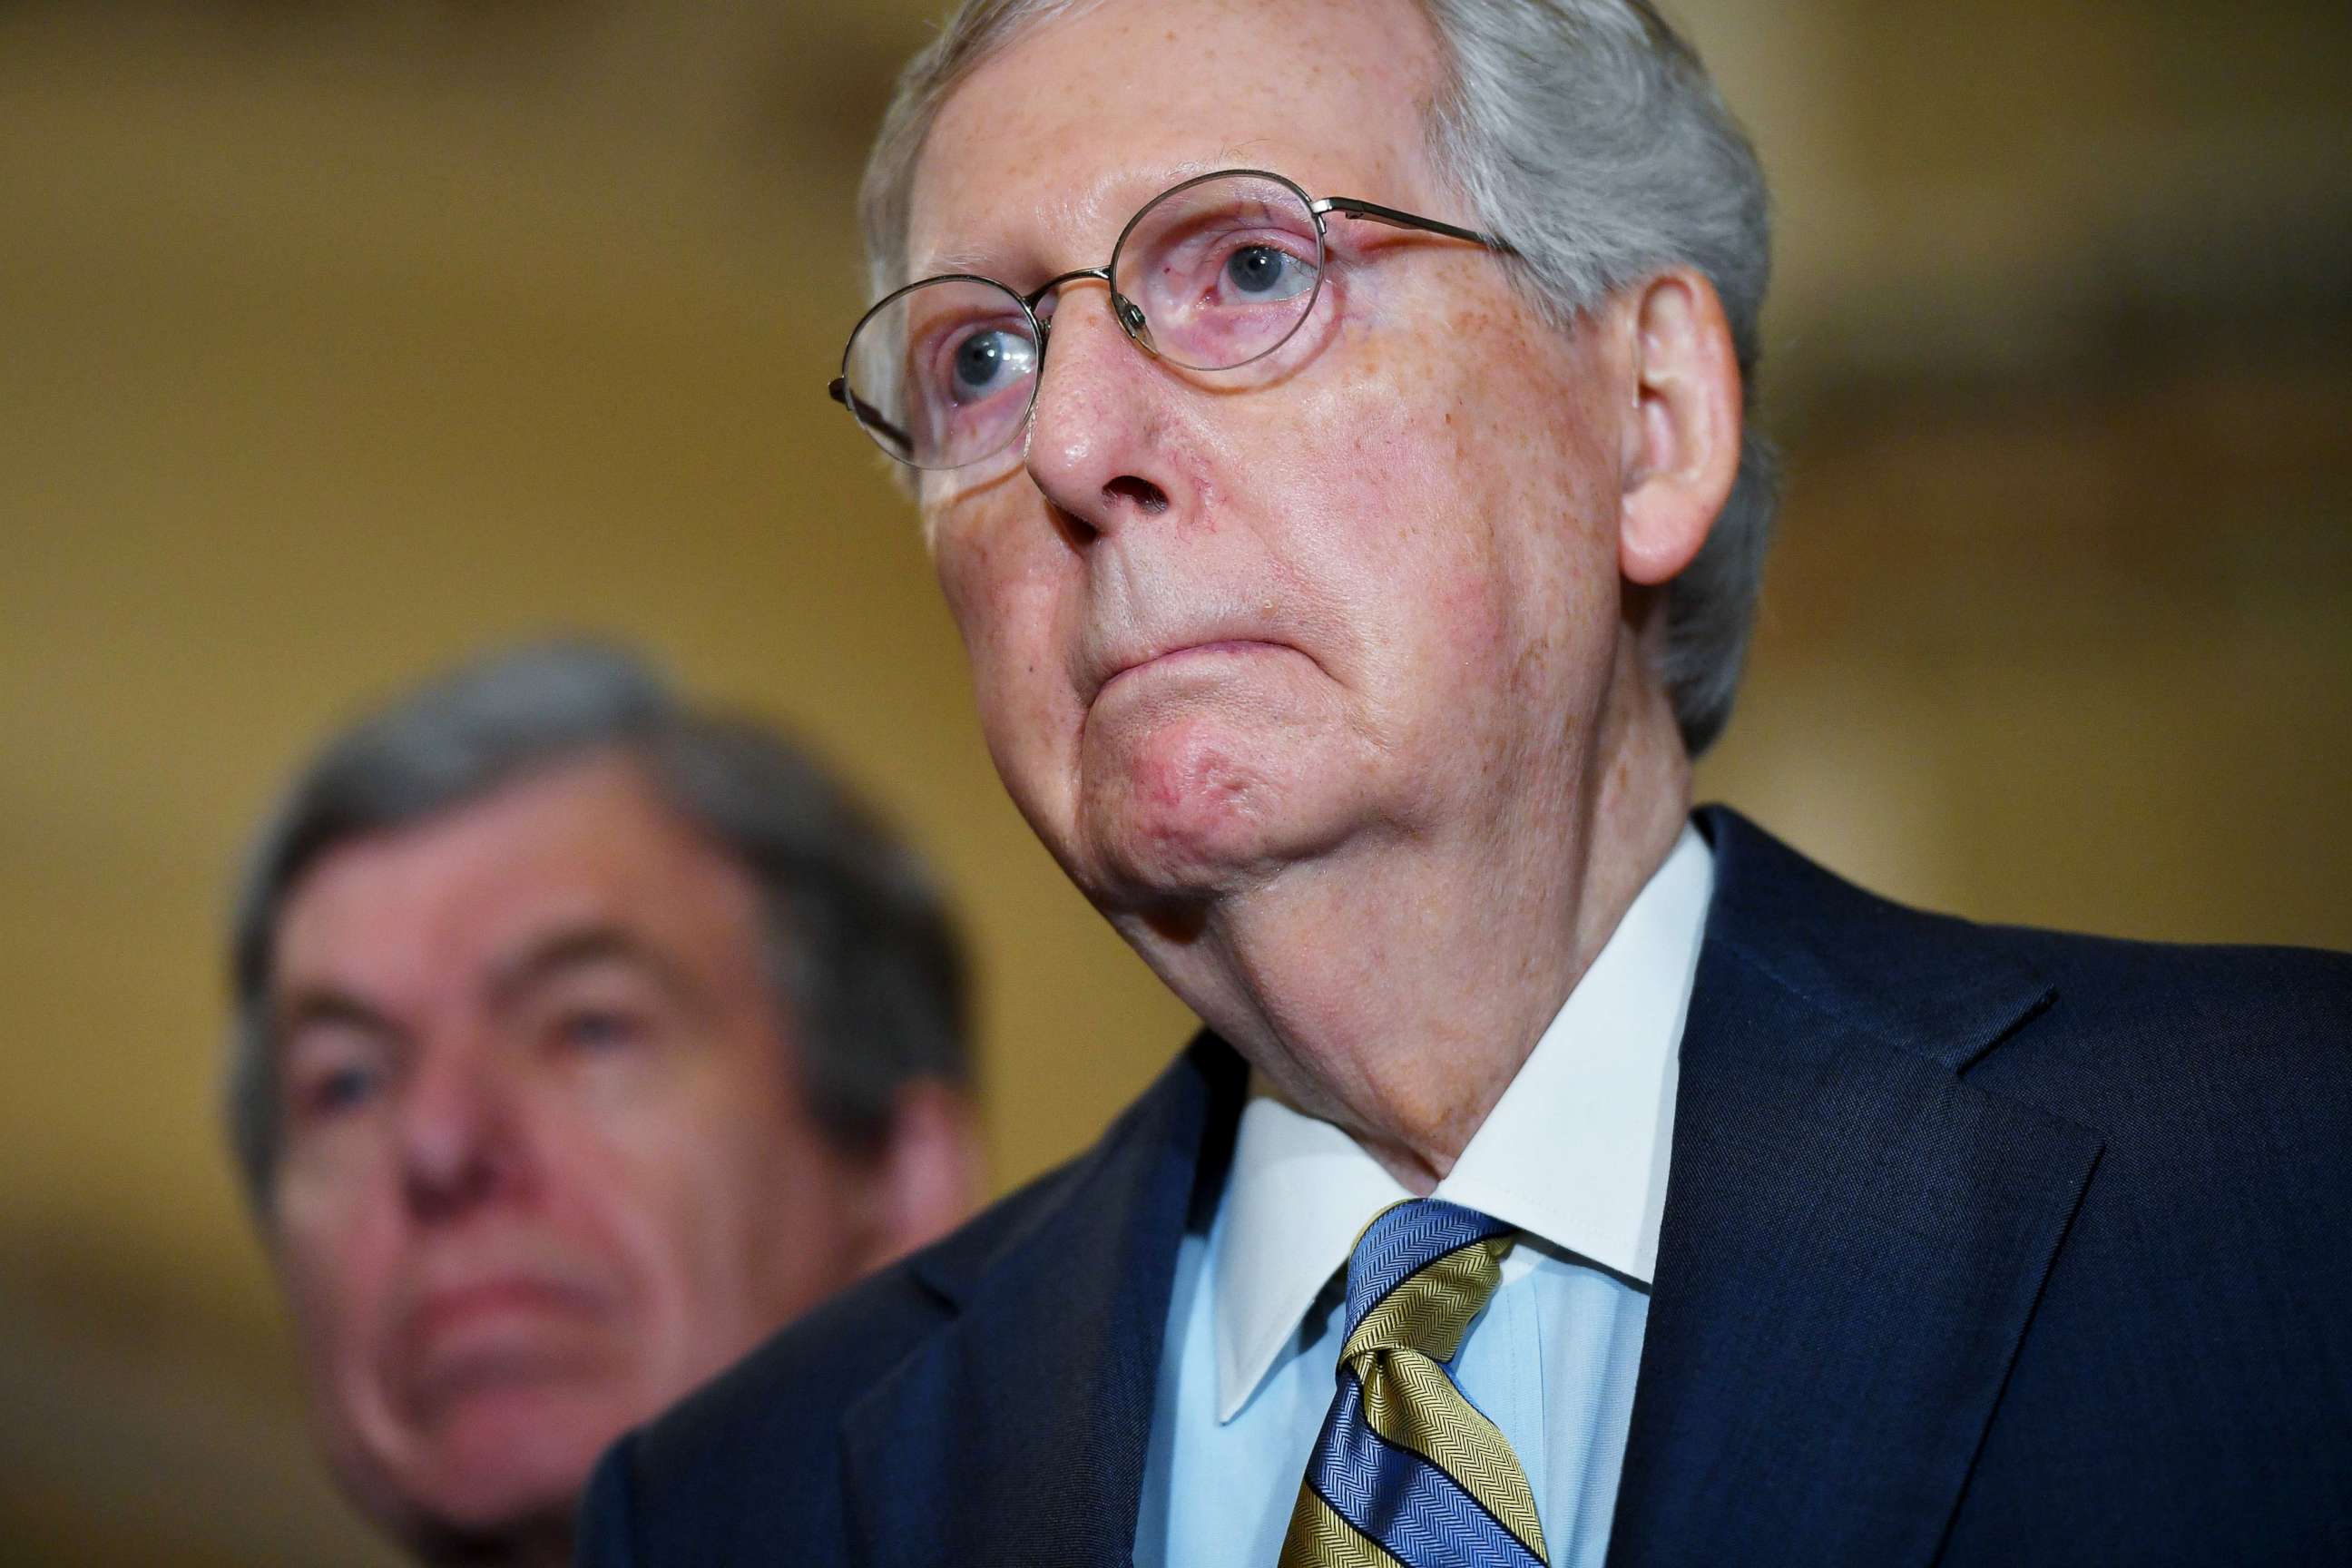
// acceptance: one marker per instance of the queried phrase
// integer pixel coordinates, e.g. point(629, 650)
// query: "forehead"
point(589, 843)
point(1054, 142)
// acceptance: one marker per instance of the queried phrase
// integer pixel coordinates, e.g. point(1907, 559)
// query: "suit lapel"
point(1048, 1372)
point(1854, 1239)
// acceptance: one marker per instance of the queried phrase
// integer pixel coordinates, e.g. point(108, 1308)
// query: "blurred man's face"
point(545, 1165)
point(1354, 594)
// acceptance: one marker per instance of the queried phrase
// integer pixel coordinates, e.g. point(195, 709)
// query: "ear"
point(1682, 433)
point(926, 1177)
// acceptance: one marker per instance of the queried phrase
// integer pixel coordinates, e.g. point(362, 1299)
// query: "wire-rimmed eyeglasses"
point(1210, 274)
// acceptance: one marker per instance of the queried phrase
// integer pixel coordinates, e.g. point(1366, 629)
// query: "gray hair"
point(1588, 133)
point(858, 948)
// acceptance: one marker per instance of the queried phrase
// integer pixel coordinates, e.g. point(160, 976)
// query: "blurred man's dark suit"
point(1981, 1245)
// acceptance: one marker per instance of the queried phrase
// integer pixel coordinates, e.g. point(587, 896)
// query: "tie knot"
point(1419, 1274)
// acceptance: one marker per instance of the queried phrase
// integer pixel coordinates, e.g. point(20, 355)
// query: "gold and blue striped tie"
point(1406, 1470)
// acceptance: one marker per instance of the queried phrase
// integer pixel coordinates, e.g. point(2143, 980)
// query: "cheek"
point(687, 1199)
point(341, 1280)
point(995, 589)
point(337, 1258)
point(637, 1185)
point(1403, 534)
point(1463, 508)
point(968, 559)
point(1009, 584)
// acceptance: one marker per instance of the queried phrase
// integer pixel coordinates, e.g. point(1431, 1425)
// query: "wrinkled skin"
point(1325, 679)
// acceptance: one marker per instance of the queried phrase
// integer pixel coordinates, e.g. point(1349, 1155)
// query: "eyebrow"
point(987, 262)
point(584, 947)
point(953, 261)
point(324, 1006)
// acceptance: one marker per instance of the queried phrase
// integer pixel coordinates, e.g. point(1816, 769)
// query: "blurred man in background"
point(584, 1037)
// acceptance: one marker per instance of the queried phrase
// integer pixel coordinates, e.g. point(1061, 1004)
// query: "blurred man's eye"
point(336, 1092)
point(335, 1067)
point(599, 1029)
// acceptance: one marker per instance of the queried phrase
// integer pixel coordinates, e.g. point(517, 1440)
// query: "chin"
point(510, 1457)
point(1191, 809)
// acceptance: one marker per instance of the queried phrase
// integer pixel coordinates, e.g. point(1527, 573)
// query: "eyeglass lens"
point(1219, 271)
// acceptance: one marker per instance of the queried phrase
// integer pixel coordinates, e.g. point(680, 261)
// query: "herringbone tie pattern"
point(1406, 1470)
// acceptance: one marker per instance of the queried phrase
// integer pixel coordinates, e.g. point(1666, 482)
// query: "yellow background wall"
point(338, 341)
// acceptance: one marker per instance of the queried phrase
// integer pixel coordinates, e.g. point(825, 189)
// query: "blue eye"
point(989, 361)
point(1264, 272)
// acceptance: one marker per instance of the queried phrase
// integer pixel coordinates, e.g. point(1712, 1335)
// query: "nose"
point(1098, 446)
point(460, 1138)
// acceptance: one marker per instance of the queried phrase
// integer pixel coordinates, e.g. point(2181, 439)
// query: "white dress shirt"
point(1575, 1155)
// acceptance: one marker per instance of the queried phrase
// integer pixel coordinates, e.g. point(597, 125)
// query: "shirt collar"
point(1574, 1153)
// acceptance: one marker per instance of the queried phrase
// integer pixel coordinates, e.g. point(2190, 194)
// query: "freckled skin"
point(1324, 485)
point(1414, 508)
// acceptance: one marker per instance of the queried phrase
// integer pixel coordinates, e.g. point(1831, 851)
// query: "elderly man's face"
point(1355, 594)
point(545, 1167)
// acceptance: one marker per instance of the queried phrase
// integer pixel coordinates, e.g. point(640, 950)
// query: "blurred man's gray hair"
point(860, 952)
point(1588, 133)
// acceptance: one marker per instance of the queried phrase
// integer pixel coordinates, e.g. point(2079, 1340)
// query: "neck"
point(1396, 992)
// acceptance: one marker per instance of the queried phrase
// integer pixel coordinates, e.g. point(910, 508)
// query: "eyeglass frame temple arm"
point(1373, 212)
point(866, 414)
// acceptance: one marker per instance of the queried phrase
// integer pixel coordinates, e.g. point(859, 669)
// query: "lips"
point(470, 1309)
point(502, 1332)
point(1190, 652)
point(1207, 629)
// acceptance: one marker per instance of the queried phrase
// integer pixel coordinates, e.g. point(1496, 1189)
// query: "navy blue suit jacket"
point(1981, 1245)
